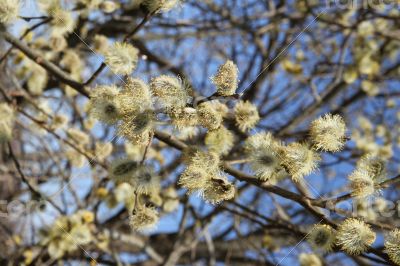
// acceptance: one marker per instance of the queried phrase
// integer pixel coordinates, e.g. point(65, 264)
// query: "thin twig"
point(26, 181)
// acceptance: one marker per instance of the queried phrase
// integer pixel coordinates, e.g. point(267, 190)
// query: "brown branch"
point(27, 31)
point(50, 67)
point(34, 191)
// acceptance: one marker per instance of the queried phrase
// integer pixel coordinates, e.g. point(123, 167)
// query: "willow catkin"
point(62, 23)
point(361, 183)
point(104, 105)
point(309, 259)
point(226, 79)
point(328, 133)
point(246, 115)
point(264, 155)
point(154, 6)
point(145, 180)
point(220, 140)
point(299, 160)
point(143, 218)
point(392, 245)
point(171, 92)
point(123, 170)
point(135, 97)
point(9, 10)
point(218, 189)
point(208, 116)
point(122, 58)
point(355, 236)
point(322, 237)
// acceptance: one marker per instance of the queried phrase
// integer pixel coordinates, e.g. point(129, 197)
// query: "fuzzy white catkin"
point(218, 189)
point(145, 180)
point(159, 5)
point(122, 58)
point(246, 115)
point(299, 160)
point(392, 245)
point(171, 92)
point(194, 179)
point(62, 23)
point(220, 140)
point(104, 105)
point(322, 237)
point(208, 116)
point(309, 259)
point(264, 155)
point(143, 218)
point(123, 170)
point(135, 97)
point(226, 79)
point(355, 236)
point(108, 6)
point(328, 133)
point(9, 10)
point(361, 183)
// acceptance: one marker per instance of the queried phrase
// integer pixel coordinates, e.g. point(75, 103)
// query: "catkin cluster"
point(142, 178)
point(204, 176)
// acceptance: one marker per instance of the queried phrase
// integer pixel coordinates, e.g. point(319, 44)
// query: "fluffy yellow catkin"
point(67, 233)
point(78, 136)
point(246, 115)
point(264, 155)
point(194, 179)
point(143, 218)
point(183, 117)
point(218, 189)
point(208, 116)
point(58, 43)
point(137, 128)
point(354, 236)
point(37, 80)
point(75, 158)
point(375, 166)
point(145, 180)
point(299, 160)
point(328, 133)
point(369, 173)
point(123, 170)
point(226, 79)
point(59, 121)
point(9, 10)
point(135, 97)
point(100, 43)
point(171, 92)
point(203, 176)
point(322, 237)
point(122, 58)
point(309, 259)
point(104, 105)
point(108, 6)
point(159, 5)
point(207, 160)
point(103, 150)
point(361, 183)
point(392, 245)
point(62, 22)
point(219, 140)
